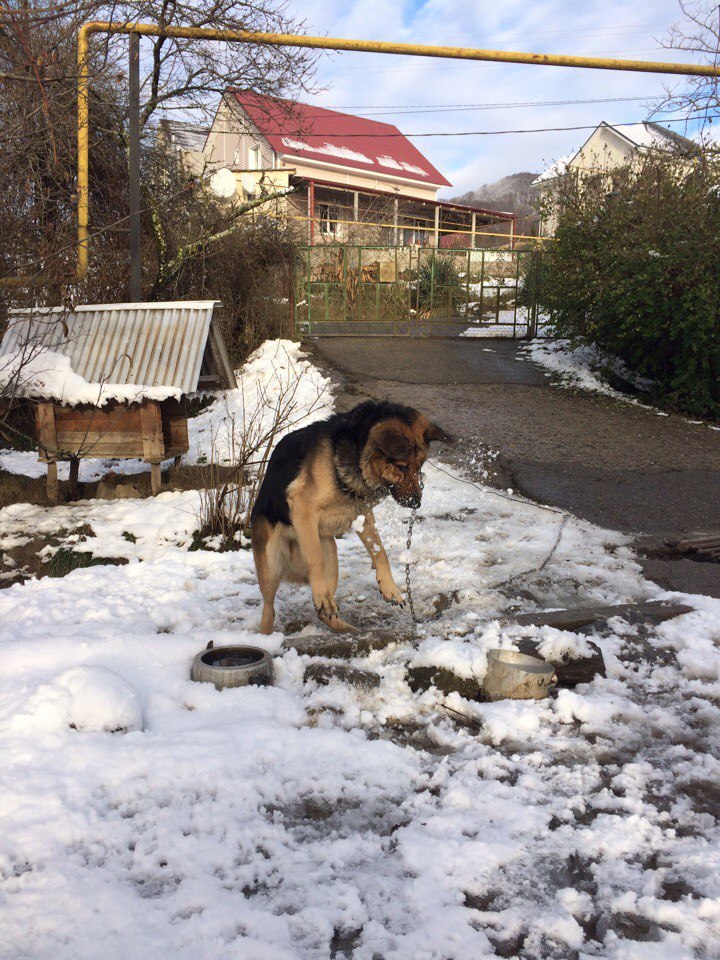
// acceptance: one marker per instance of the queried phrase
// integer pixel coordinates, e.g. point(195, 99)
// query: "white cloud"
point(356, 82)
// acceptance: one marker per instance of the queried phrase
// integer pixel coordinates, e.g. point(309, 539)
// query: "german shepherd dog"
point(319, 480)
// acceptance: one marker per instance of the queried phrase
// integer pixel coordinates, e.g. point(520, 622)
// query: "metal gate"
point(415, 291)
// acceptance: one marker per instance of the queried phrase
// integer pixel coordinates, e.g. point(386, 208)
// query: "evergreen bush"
point(635, 270)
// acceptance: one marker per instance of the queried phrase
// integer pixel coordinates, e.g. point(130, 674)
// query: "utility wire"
point(489, 104)
point(458, 108)
point(397, 109)
point(299, 133)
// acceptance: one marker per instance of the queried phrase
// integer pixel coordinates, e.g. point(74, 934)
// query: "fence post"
point(536, 293)
point(482, 287)
point(467, 286)
point(309, 288)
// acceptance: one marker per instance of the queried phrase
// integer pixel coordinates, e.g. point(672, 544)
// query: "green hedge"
point(635, 270)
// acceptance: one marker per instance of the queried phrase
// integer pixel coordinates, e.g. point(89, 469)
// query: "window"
point(254, 158)
point(328, 219)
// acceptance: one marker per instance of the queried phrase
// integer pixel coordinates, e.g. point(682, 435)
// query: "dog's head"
point(394, 454)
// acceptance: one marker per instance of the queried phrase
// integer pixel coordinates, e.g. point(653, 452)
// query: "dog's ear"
point(393, 443)
point(434, 432)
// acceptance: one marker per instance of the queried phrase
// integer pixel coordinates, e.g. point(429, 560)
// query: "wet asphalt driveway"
point(614, 463)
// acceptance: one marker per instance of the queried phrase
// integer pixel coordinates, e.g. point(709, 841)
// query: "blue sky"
point(389, 87)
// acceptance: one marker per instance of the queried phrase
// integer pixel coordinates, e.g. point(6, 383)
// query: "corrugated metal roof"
point(143, 344)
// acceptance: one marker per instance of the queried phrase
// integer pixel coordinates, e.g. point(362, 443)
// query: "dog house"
point(112, 380)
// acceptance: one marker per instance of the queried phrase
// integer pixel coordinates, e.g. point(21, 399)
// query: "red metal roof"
point(314, 133)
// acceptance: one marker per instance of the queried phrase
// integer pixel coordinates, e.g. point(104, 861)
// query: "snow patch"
point(84, 698)
point(327, 149)
point(578, 365)
point(49, 375)
point(277, 378)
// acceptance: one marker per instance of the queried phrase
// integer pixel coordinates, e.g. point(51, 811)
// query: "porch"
point(327, 212)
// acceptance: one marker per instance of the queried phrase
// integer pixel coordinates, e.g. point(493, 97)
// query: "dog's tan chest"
point(337, 518)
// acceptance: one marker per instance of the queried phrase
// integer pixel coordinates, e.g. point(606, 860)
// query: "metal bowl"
point(233, 667)
point(517, 676)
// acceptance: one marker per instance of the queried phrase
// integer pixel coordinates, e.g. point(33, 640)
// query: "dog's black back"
point(347, 434)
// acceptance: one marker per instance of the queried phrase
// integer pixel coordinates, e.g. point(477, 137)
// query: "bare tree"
point(38, 108)
point(187, 76)
point(38, 151)
point(698, 33)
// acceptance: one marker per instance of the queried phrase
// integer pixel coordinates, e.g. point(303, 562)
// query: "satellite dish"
point(223, 183)
point(249, 184)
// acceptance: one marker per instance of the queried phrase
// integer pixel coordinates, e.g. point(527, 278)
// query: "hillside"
point(514, 194)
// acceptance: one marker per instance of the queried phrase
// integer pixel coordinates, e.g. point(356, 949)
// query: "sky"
point(389, 88)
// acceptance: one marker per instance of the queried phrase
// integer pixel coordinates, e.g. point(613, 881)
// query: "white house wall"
point(229, 144)
point(604, 150)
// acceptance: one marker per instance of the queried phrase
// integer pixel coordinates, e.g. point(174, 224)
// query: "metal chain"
point(408, 588)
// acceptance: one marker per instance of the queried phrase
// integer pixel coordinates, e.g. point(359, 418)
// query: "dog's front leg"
point(381, 565)
point(305, 523)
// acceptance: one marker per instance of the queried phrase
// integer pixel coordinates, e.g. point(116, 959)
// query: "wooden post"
point(152, 435)
point(47, 440)
point(134, 168)
point(153, 443)
point(73, 480)
point(473, 228)
point(52, 481)
point(436, 235)
point(395, 222)
point(46, 429)
point(155, 477)
point(356, 207)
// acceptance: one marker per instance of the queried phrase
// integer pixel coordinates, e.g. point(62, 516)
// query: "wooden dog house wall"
point(151, 430)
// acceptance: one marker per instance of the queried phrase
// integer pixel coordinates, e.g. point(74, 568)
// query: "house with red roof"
point(354, 180)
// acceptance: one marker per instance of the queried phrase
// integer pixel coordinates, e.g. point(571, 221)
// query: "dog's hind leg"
point(269, 571)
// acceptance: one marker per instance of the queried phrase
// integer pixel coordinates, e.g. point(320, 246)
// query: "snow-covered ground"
point(510, 323)
point(577, 366)
point(148, 816)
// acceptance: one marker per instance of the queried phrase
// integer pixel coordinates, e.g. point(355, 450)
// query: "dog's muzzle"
point(410, 500)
